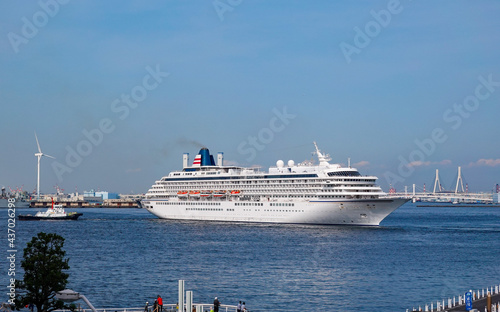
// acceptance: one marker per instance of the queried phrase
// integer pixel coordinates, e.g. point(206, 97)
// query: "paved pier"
point(479, 304)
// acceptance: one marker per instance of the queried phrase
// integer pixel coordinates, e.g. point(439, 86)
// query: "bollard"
point(488, 303)
point(189, 301)
point(181, 295)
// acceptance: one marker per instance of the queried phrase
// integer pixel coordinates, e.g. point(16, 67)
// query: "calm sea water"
point(123, 257)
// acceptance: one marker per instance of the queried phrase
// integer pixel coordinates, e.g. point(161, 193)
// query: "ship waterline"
point(303, 194)
point(315, 212)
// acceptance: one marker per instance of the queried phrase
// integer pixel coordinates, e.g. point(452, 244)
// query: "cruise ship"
point(304, 193)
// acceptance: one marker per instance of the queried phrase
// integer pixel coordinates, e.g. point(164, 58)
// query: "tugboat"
point(56, 212)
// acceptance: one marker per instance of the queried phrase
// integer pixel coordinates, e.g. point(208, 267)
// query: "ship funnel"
point(206, 158)
point(185, 160)
point(197, 161)
point(220, 159)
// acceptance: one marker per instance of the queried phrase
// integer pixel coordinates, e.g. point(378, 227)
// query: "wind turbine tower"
point(39, 155)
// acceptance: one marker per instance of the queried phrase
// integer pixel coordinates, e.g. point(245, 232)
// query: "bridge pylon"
point(437, 183)
point(460, 181)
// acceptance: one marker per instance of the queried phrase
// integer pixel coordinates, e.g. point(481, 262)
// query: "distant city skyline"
point(118, 91)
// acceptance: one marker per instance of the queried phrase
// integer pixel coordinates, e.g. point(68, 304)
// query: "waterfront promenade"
point(478, 304)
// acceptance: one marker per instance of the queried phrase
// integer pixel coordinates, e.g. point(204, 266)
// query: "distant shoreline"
point(444, 205)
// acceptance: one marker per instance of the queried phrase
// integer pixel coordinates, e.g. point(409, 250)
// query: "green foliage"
point(43, 263)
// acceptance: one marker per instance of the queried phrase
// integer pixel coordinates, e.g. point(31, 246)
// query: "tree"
point(43, 263)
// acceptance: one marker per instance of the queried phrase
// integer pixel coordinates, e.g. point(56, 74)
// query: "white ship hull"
point(303, 194)
point(361, 212)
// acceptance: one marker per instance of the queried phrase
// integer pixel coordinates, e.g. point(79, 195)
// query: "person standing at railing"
point(155, 306)
point(160, 303)
point(238, 309)
point(146, 308)
point(216, 304)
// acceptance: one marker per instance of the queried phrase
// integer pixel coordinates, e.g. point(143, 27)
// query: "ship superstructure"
point(304, 193)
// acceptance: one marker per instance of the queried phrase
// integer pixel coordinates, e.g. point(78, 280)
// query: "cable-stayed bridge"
point(438, 194)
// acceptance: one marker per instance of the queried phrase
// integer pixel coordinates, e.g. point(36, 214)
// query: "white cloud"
point(419, 163)
point(362, 163)
point(428, 163)
point(444, 162)
point(485, 163)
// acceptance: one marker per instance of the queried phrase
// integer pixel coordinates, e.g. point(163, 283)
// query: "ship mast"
point(323, 159)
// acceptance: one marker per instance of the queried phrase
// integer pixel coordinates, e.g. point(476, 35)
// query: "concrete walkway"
point(479, 304)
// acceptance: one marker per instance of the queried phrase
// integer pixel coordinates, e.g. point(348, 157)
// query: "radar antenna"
point(323, 159)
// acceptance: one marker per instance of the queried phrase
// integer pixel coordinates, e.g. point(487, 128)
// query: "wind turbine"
point(39, 155)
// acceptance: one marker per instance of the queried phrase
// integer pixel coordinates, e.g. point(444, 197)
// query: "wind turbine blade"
point(48, 156)
point(38, 144)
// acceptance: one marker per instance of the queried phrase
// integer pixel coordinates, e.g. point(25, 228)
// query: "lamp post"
point(69, 295)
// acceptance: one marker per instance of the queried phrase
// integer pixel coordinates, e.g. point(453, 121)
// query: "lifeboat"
point(195, 194)
point(235, 193)
point(182, 194)
point(205, 194)
point(219, 194)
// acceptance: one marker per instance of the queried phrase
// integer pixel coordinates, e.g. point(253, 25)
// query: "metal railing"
point(197, 307)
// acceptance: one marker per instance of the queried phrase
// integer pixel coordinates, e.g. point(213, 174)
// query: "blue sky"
point(402, 88)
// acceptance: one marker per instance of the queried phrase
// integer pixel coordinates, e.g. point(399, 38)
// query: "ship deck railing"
point(198, 307)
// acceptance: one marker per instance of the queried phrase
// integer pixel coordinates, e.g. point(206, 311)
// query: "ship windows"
point(344, 174)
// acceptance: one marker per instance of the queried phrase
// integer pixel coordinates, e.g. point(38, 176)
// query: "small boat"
point(235, 193)
point(219, 194)
point(182, 194)
point(195, 194)
point(206, 194)
point(56, 212)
